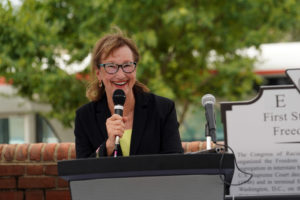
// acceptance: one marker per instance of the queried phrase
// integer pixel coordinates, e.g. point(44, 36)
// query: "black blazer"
point(155, 127)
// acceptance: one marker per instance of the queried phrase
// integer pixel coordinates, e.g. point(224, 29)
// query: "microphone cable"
point(236, 165)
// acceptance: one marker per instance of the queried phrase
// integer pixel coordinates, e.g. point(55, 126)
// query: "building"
point(21, 120)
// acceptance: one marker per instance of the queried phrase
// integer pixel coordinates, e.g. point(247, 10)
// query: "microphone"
point(208, 102)
point(119, 98)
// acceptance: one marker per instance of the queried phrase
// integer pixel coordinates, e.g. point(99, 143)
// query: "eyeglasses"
point(112, 68)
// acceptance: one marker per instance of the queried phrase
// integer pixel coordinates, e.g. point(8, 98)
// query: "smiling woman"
point(149, 123)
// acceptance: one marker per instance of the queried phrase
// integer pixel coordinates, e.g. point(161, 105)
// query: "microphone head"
point(119, 97)
point(208, 98)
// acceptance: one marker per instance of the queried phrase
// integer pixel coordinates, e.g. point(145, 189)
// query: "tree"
point(177, 41)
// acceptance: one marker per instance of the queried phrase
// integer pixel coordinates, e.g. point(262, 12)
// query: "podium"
point(170, 176)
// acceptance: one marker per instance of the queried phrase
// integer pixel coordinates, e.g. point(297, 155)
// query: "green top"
point(125, 142)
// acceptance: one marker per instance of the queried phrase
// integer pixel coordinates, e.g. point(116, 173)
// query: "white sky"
point(273, 56)
point(279, 56)
point(13, 2)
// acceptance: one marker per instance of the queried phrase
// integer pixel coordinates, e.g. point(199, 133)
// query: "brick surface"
point(49, 152)
point(202, 145)
point(73, 152)
point(6, 183)
point(61, 183)
point(63, 151)
point(36, 182)
point(34, 195)
point(35, 151)
point(51, 170)
point(2, 146)
point(184, 146)
point(11, 195)
point(11, 170)
point(10, 152)
point(22, 152)
point(34, 169)
point(58, 195)
point(194, 146)
point(188, 147)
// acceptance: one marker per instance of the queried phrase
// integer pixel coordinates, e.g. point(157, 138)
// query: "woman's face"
point(119, 80)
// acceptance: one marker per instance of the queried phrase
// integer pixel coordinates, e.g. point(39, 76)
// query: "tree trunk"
point(185, 108)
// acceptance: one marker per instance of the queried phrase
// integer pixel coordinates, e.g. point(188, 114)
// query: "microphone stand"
point(208, 138)
point(208, 143)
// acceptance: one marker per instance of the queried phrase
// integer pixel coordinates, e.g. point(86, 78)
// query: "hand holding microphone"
point(115, 124)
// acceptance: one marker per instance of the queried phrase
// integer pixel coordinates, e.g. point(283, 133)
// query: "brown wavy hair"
point(102, 49)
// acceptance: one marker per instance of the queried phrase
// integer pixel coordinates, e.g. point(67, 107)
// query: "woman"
point(149, 123)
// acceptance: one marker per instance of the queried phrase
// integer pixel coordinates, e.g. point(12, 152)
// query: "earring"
point(100, 84)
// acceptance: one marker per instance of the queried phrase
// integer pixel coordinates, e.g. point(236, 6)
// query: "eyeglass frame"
point(119, 66)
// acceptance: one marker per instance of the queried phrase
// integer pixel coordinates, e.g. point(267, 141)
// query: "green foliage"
point(29, 46)
point(175, 38)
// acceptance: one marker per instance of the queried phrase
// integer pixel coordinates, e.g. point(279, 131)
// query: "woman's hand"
point(115, 126)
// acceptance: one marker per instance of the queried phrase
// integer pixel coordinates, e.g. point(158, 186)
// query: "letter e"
point(280, 101)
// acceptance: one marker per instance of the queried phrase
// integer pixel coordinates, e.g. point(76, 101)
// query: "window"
point(4, 136)
point(15, 129)
point(12, 130)
point(44, 131)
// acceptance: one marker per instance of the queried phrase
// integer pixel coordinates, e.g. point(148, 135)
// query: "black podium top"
point(147, 165)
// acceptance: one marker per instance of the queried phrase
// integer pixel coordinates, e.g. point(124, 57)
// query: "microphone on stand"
point(119, 100)
point(208, 102)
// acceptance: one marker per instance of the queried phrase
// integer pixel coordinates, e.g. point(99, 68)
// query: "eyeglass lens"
point(112, 68)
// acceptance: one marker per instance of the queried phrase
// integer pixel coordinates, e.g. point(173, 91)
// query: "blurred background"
point(188, 49)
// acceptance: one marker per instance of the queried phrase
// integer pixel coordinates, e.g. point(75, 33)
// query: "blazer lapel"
point(139, 121)
point(102, 113)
